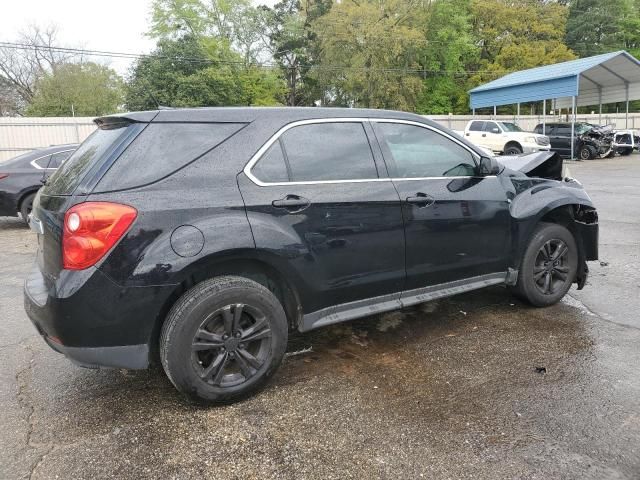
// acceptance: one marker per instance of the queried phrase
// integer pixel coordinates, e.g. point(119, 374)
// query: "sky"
point(112, 25)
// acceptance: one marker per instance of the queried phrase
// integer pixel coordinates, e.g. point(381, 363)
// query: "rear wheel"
point(549, 265)
point(223, 339)
point(26, 206)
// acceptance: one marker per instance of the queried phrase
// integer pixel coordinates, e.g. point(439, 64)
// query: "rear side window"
point(161, 149)
point(58, 159)
point(92, 151)
point(43, 162)
point(318, 152)
point(538, 129)
point(476, 126)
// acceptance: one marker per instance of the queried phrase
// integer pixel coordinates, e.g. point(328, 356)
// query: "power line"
point(208, 61)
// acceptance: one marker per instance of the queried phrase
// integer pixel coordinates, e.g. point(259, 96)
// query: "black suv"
point(22, 176)
point(590, 141)
point(204, 235)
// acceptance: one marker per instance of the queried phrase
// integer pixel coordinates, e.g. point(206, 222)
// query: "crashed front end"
point(549, 193)
point(602, 139)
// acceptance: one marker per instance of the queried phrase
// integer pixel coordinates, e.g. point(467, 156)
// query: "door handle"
point(484, 134)
point(292, 203)
point(421, 200)
point(467, 134)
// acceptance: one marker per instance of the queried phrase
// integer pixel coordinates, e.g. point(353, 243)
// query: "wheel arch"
point(581, 220)
point(24, 194)
point(512, 143)
point(252, 264)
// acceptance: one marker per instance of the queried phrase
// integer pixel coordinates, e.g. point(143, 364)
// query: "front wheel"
point(549, 265)
point(512, 150)
point(587, 152)
point(223, 339)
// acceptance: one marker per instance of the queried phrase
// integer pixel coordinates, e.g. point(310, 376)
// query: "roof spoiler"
point(129, 117)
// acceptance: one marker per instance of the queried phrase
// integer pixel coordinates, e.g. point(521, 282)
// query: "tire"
point(587, 152)
point(512, 150)
point(545, 240)
point(196, 354)
point(25, 207)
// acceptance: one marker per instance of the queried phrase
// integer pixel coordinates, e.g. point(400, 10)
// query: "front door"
point(457, 224)
point(319, 208)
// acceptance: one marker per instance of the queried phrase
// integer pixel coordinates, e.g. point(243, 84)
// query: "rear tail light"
point(91, 229)
point(3, 175)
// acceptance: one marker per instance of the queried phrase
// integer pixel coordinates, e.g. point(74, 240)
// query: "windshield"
point(583, 128)
point(510, 127)
point(72, 171)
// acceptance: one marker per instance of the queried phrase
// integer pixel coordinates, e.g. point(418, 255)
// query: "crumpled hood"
point(537, 164)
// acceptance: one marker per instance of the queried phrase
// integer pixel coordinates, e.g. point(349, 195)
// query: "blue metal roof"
point(550, 81)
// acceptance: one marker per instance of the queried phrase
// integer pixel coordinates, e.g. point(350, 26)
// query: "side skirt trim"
point(371, 306)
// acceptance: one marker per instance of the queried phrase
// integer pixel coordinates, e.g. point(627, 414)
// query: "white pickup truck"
point(504, 137)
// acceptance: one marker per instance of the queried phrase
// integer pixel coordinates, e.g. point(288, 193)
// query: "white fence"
point(20, 135)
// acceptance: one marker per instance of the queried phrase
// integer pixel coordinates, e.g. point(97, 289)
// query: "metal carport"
point(607, 78)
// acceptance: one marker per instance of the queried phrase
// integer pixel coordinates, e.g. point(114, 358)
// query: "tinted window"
point(476, 126)
point(42, 162)
point(58, 159)
point(538, 129)
point(563, 130)
point(272, 167)
point(328, 151)
point(71, 173)
point(161, 149)
point(420, 152)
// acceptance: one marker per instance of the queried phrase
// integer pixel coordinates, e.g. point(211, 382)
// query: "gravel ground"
point(476, 386)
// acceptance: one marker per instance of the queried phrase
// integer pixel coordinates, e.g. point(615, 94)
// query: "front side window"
point(492, 127)
point(420, 152)
point(318, 152)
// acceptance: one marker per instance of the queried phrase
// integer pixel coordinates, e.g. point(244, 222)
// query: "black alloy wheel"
point(231, 345)
point(223, 339)
point(551, 266)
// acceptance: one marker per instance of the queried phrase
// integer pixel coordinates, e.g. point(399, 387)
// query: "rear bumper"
point(93, 321)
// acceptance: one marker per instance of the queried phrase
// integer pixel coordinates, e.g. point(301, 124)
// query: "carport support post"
point(626, 112)
point(544, 116)
point(573, 124)
point(518, 113)
point(599, 105)
point(494, 112)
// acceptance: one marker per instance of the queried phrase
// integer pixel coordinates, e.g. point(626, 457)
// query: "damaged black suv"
point(202, 236)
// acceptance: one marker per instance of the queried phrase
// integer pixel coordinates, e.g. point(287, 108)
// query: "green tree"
point(595, 26)
point(369, 54)
point(515, 35)
point(189, 72)
point(83, 89)
point(294, 45)
point(449, 48)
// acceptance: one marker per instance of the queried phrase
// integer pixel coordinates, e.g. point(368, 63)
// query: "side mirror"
point(489, 166)
point(495, 130)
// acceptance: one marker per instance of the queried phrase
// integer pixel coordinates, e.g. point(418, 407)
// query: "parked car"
point(203, 235)
point(504, 137)
point(22, 176)
point(590, 141)
point(626, 141)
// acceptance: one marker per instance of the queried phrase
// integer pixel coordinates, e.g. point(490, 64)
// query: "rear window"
point(161, 149)
point(92, 150)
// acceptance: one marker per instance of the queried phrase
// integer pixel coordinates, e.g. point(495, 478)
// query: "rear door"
point(475, 133)
point(457, 224)
point(561, 139)
point(321, 205)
